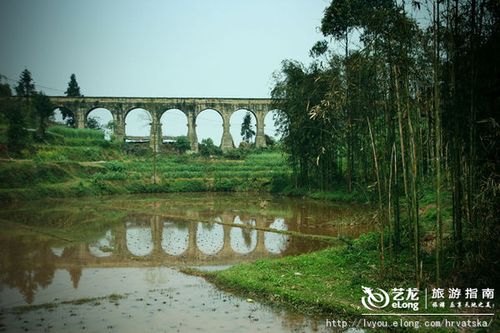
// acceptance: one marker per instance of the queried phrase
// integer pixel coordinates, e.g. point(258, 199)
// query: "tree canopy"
point(5, 90)
point(73, 89)
point(247, 133)
point(25, 86)
point(43, 109)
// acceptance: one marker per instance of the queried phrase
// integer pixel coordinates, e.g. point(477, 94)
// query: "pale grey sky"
point(171, 48)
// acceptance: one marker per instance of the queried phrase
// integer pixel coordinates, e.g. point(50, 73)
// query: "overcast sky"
point(181, 48)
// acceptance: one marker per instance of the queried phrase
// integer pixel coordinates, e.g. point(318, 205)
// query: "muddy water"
point(111, 265)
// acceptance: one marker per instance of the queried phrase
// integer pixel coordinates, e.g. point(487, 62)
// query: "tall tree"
point(5, 90)
point(25, 86)
point(247, 133)
point(17, 138)
point(73, 88)
point(43, 110)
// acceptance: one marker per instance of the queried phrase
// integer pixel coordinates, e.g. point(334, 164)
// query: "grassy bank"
point(328, 283)
point(325, 282)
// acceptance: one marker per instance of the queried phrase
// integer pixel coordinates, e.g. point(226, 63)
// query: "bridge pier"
point(192, 250)
point(157, 234)
point(227, 140)
point(120, 242)
point(80, 118)
point(260, 137)
point(155, 132)
point(226, 245)
point(193, 138)
point(260, 247)
point(119, 130)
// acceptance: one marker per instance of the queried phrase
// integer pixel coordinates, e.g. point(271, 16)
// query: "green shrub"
point(113, 175)
point(14, 175)
point(225, 184)
point(115, 166)
point(141, 149)
point(63, 153)
point(207, 148)
point(279, 181)
point(193, 185)
point(182, 144)
point(237, 154)
point(148, 188)
point(82, 133)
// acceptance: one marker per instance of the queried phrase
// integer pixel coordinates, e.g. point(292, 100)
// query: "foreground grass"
point(328, 283)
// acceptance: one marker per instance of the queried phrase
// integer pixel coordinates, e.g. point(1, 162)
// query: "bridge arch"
point(63, 115)
point(57, 251)
point(102, 118)
point(275, 242)
point(270, 123)
point(104, 246)
point(139, 239)
point(243, 240)
point(175, 238)
point(209, 124)
point(236, 121)
point(210, 237)
point(138, 122)
point(174, 123)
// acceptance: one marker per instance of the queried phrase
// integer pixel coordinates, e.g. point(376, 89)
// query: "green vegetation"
point(32, 108)
point(182, 144)
point(73, 89)
point(324, 282)
point(411, 109)
point(71, 133)
point(80, 162)
point(247, 133)
point(25, 86)
point(43, 110)
point(207, 148)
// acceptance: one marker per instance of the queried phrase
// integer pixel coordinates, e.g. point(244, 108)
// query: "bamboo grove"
point(410, 108)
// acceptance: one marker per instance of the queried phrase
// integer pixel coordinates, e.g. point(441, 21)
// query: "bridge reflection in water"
point(29, 264)
point(153, 241)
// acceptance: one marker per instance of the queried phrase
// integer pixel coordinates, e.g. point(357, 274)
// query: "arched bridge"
point(191, 107)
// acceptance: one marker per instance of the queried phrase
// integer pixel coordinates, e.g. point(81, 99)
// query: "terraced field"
point(80, 162)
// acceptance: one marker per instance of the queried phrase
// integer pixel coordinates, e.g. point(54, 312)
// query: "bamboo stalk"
point(380, 206)
point(437, 131)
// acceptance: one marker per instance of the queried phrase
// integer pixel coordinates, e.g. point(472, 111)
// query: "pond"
point(112, 264)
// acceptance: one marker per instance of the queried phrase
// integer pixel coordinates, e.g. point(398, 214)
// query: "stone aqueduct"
point(191, 107)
